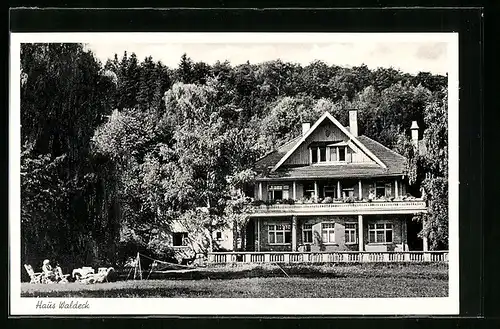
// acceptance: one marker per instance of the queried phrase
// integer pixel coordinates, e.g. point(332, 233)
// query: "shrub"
point(288, 201)
point(257, 202)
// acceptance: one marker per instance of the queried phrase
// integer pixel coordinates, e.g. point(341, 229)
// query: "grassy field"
point(341, 281)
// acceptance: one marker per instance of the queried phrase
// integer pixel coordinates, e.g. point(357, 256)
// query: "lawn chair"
point(82, 273)
point(63, 278)
point(99, 277)
point(102, 274)
point(34, 277)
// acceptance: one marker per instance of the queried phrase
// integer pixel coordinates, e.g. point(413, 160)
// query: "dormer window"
point(323, 152)
point(338, 153)
point(318, 154)
point(341, 150)
point(314, 154)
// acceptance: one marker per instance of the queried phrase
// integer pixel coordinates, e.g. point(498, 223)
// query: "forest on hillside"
point(113, 152)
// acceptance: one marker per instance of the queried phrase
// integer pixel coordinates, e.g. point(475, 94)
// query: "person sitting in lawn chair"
point(52, 275)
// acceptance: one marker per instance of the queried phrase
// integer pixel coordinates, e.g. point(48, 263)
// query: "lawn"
point(269, 281)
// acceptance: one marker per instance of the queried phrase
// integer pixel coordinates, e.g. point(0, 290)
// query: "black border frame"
point(468, 22)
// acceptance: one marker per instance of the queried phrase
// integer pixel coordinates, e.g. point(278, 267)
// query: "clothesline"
point(163, 262)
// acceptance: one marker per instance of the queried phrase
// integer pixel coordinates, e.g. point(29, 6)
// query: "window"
point(218, 235)
point(180, 239)
point(278, 192)
point(388, 190)
point(351, 233)
point(333, 154)
point(307, 234)
point(322, 154)
point(318, 154)
point(314, 154)
point(331, 191)
point(348, 192)
point(348, 154)
point(341, 153)
point(308, 190)
point(328, 232)
point(380, 233)
point(279, 234)
point(379, 189)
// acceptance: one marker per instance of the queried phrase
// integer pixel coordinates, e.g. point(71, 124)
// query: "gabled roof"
point(342, 129)
point(272, 158)
point(394, 162)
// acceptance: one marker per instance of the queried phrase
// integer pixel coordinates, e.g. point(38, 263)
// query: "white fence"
point(328, 257)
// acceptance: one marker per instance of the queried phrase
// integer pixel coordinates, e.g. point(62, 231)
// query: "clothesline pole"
point(129, 273)
point(139, 264)
point(151, 270)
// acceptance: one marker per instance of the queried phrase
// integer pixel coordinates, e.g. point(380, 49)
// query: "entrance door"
point(250, 235)
point(415, 243)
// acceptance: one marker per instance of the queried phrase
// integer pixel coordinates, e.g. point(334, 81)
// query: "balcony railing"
point(327, 257)
point(373, 207)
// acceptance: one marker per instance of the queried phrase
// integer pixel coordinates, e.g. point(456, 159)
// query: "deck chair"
point(63, 278)
point(102, 274)
point(82, 273)
point(99, 277)
point(34, 277)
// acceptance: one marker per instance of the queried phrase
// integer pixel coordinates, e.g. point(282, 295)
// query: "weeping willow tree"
point(67, 205)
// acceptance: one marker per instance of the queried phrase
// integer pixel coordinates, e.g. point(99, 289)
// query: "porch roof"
point(329, 171)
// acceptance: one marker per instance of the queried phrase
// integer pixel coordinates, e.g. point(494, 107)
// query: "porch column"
point(339, 195)
point(404, 234)
point(360, 190)
point(396, 192)
point(294, 233)
point(361, 242)
point(260, 190)
point(294, 190)
point(258, 234)
point(316, 191)
point(426, 244)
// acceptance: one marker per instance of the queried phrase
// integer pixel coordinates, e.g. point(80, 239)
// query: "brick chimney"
point(305, 128)
point(353, 122)
point(414, 133)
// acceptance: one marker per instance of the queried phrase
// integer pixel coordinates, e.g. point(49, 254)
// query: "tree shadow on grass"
point(124, 293)
point(298, 271)
point(252, 273)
